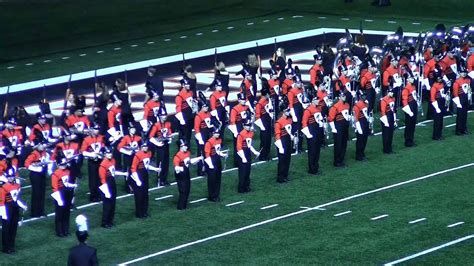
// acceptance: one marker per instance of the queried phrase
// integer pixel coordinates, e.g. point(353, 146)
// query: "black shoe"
point(281, 181)
point(60, 235)
point(459, 134)
point(164, 184)
point(107, 226)
point(465, 132)
point(340, 165)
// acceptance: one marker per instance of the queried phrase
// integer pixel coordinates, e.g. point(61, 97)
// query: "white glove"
point(426, 82)
point(358, 128)
point(22, 205)
point(436, 107)
point(178, 169)
point(135, 178)
point(233, 129)
point(242, 156)
point(353, 93)
point(415, 97)
point(214, 113)
point(105, 189)
point(384, 120)
point(208, 160)
point(306, 132)
point(125, 151)
point(180, 118)
point(3, 212)
point(293, 115)
point(457, 102)
point(407, 110)
point(259, 124)
point(279, 146)
point(57, 197)
point(198, 137)
point(333, 127)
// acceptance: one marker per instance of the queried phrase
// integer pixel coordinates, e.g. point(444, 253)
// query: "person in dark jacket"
point(82, 254)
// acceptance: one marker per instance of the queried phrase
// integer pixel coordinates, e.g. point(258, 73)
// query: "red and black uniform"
point(449, 67)
point(429, 69)
point(368, 83)
point(151, 111)
point(40, 133)
point(460, 89)
point(128, 146)
point(360, 112)
point(140, 162)
point(408, 99)
point(387, 111)
point(38, 181)
point(283, 130)
point(264, 112)
point(338, 115)
point(13, 136)
point(70, 151)
point(316, 75)
point(437, 95)
point(183, 180)
point(274, 85)
point(392, 78)
point(244, 140)
point(77, 124)
point(313, 120)
point(212, 151)
point(107, 178)
point(237, 116)
point(90, 148)
point(184, 102)
point(286, 86)
point(202, 131)
point(62, 209)
point(295, 100)
point(161, 133)
point(219, 108)
point(8, 192)
point(114, 118)
point(343, 85)
point(247, 88)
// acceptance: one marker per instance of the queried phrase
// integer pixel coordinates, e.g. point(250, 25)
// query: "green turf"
point(168, 227)
point(68, 33)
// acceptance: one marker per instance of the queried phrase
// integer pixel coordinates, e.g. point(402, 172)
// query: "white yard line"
point(417, 221)
point(379, 217)
point(234, 203)
point(164, 197)
point(454, 224)
point(291, 214)
point(269, 206)
point(198, 200)
point(451, 125)
point(342, 213)
point(430, 250)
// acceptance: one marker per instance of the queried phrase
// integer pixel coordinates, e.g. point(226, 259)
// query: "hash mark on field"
point(117, 48)
point(46, 61)
point(391, 22)
point(318, 209)
point(230, 27)
point(281, 18)
point(167, 40)
point(342, 213)
point(67, 57)
point(455, 224)
point(297, 16)
point(28, 64)
point(345, 19)
point(164, 197)
point(322, 17)
point(266, 20)
point(79, 55)
point(134, 45)
point(234, 203)
point(99, 52)
point(451, 125)
point(152, 42)
point(369, 20)
point(250, 23)
point(183, 37)
point(198, 200)
point(199, 34)
point(10, 67)
point(269, 206)
point(215, 31)
point(379, 217)
point(416, 23)
point(417, 221)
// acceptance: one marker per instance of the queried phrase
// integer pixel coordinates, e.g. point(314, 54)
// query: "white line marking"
point(369, 20)
point(183, 37)
point(269, 206)
point(342, 213)
point(199, 34)
point(214, 30)
point(250, 226)
point(455, 224)
point(79, 55)
point(417, 221)
point(134, 45)
point(234, 203)
point(250, 23)
point(167, 40)
point(379, 217)
point(100, 51)
point(164, 197)
point(345, 19)
point(281, 18)
point(151, 42)
point(28, 64)
point(266, 20)
point(117, 48)
point(322, 17)
point(230, 27)
point(451, 125)
point(47, 61)
point(297, 16)
point(304, 207)
point(416, 23)
point(198, 200)
point(10, 67)
point(430, 250)
point(67, 57)
point(391, 22)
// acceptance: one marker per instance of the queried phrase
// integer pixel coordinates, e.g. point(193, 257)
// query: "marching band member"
point(128, 146)
point(154, 84)
point(410, 107)
point(212, 153)
point(13, 135)
point(62, 186)
point(438, 104)
point(392, 79)
point(184, 110)
point(221, 75)
point(10, 205)
point(151, 108)
point(116, 129)
point(462, 95)
point(181, 161)
point(122, 94)
point(361, 121)
point(288, 82)
point(274, 85)
point(368, 83)
point(263, 119)
point(295, 103)
point(244, 147)
point(107, 187)
point(316, 73)
point(220, 110)
point(202, 129)
point(70, 150)
point(312, 122)
point(339, 121)
point(36, 163)
point(283, 141)
point(238, 114)
point(140, 182)
point(160, 137)
point(41, 132)
point(388, 118)
point(247, 87)
point(90, 149)
point(77, 123)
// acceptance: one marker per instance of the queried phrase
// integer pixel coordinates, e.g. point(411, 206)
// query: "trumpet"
point(371, 122)
point(469, 95)
point(447, 98)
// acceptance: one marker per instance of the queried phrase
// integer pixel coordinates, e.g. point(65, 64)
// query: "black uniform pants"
point(38, 189)
point(163, 160)
point(461, 118)
point(10, 226)
point(437, 122)
point(410, 125)
point(314, 150)
point(340, 141)
point(387, 138)
point(94, 182)
point(200, 152)
point(244, 174)
point(265, 143)
point(183, 181)
point(284, 159)
point(61, 215)
point(361, 139)
point(186, 129)
point(214, 179)
point(141, 194)
point(127, 163)
point(108, 204)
